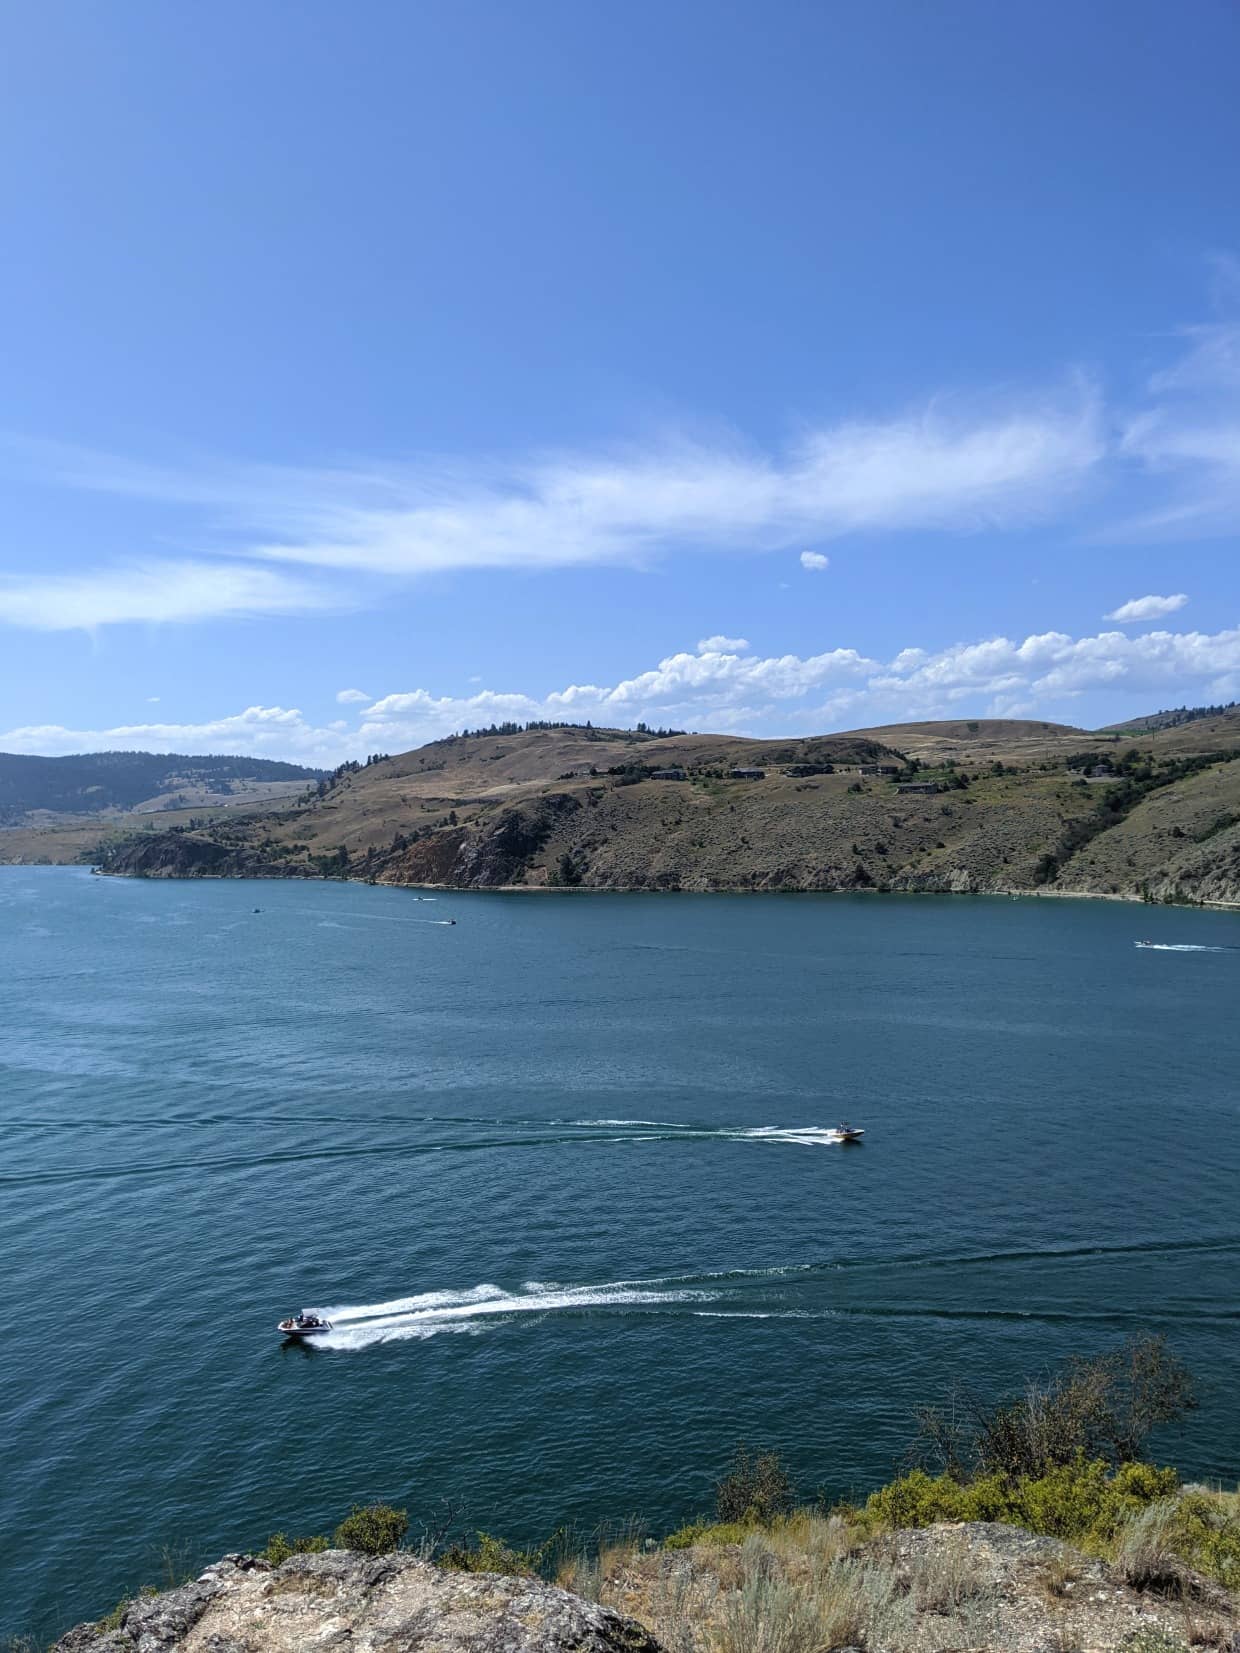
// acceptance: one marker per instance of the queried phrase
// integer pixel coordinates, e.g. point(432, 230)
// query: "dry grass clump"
point(1144, 1553)
point(799, 1586)
point(949, 1578)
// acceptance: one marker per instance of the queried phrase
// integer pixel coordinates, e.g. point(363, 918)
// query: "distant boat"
point(849, 1133)
point(305, 1324)
point(1143, 944)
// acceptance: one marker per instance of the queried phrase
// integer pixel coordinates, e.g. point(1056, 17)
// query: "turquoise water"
point(562, 1174)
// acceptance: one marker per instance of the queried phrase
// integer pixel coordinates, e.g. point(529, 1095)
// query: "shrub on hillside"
point(371, 1529)
point(1082, 1500)
point(495, 1555)
point(1098, 1406)
point(1195, 1529)
point(280, 1548)
point(756, 1488)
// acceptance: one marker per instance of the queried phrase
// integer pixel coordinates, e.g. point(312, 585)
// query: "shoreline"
point(1012, 894)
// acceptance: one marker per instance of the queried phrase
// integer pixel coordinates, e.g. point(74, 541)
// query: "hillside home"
point(747, 774)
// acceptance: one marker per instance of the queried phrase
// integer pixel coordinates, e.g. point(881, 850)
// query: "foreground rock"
point(339, 1600)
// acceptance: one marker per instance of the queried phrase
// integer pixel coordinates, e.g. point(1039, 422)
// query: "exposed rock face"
point(338, 1600)
point(500, 854)
point(171, 855)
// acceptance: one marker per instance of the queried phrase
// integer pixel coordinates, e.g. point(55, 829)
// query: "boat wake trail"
point(803, 1136)
point(517, 1133)
point(1183, 947)
point(822, 1290)
point(359, 1325)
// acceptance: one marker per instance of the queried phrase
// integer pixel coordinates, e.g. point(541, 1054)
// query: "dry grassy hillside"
point(1000, 805)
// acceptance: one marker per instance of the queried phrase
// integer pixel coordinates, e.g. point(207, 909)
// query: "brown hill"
point(998, 805)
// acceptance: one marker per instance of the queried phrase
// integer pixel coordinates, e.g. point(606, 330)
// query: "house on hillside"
point(878, 769)
point(747, 774)
point(668, 775)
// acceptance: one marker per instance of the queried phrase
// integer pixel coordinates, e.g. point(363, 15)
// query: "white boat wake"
point(358, 1325)
point(803, 1136)
point(1181, 947)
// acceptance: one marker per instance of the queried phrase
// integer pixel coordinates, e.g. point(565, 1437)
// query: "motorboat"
point(1143, 944)
point(849, 1133)
point(305, 1324)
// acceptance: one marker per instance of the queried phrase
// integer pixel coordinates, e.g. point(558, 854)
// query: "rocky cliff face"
point(337, 1601)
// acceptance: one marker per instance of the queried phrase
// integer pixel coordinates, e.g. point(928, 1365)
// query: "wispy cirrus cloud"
point(1169, 465)
point(944, 468)
point(726, 689)
point(1187, 438)
point(155, 591)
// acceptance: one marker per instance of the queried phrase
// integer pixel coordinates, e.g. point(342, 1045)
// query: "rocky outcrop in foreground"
point(339, 1600)
point(973, 1587)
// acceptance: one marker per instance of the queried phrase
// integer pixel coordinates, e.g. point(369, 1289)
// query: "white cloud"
point(814, 560)
point(945, 467)
point(723, 645)
point(1187, 438)
point(152, 700)
point(839, 688)
point(353, 697)
point(843, 688)
point(153, 591)
point(259, 731)
point(1146, 608)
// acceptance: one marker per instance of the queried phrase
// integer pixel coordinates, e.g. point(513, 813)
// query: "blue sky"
point(782, 367)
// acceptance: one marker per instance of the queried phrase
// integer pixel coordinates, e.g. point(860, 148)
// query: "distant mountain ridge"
point(90, 783)
point(1170, 719)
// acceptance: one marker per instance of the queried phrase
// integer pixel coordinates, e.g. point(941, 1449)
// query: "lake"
point(562, 1175)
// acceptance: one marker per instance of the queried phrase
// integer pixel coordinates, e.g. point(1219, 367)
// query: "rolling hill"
point(996, 806)
point(94, 783)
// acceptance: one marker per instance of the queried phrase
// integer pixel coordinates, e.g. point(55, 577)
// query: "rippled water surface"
point(564, 1177)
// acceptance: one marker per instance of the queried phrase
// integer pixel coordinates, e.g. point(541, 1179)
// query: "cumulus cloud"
point(1039, 675)
point(153, 591)
point(353, 697)
point(1146, 608)
point(814, 560)
point(723, 645)
point(258, 731)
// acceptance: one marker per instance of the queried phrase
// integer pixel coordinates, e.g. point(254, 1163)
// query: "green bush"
point(1082, 1500)
point(279, 1548)
point(709, 1532)
point(371, 1529)
point(1096, 1406)
point(495, 1555)
point(1202, 1533)
point(755, 1489)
